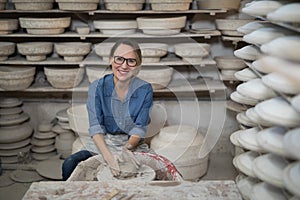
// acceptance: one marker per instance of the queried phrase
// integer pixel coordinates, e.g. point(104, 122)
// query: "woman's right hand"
point(113, 164)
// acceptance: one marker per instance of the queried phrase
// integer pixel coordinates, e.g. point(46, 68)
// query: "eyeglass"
point(131, 62)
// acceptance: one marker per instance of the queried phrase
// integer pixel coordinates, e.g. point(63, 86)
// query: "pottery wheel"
point(23, 176)
point(144, 173)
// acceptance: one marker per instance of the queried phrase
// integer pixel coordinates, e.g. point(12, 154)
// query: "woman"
point(118, 107)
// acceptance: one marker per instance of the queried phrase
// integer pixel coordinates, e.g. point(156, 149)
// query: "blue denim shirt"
point(108, 114)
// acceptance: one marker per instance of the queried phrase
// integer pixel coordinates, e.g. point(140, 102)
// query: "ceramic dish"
point(261, 8)
point(23, 176)
point(10, 111)
point(245, 75)
point(236, 107)
point(249, 52)
point(15, 152)
point(263, 35)
point(264, 190)
point(43, 149)
point(35, 51)
point(271, 140)
point(296, 102)
point(256, 90)
point(291, 143)
point(291, 178)
point(269, 168)
point(244, 120)
point(239, 98)
point(234, 138)
point(261, 66)
point(231, 24)
point(255, 118)
point(286, 13)
point(10, 102)
point(47, 135)
point(278, 112)
point(244, 162)
point(42, 142)
point(252, 26)
point(15, 145)
point(287, 47)
point(245, 186)
point(16, 133)
point(281, 83)
point(247, 139)
point(73, 51)
point(9, 120)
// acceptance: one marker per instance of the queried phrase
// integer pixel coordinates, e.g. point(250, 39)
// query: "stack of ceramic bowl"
point(63, 78)
point(170, 5)
point(77, 5)
point(181, 145)
point(124, 4)
point(15, 130)
point(6, 49)
point(73, 51)
point(103, 49)
point(229, 65)
point(229, 26)
point(161, 25)
point(65, 138)
point(33, 4)
point(158, 76)
point(45, 26)
point(16, 78)
point(43, 142)
point(192, 52)
point(96, 72)
point(7, 26)
point(152, 52)
point(35, 51)
point(114, 27)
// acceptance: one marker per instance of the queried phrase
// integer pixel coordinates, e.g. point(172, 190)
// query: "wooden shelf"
point(208, 11)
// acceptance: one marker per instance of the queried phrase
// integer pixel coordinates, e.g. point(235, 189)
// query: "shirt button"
point(120, 123)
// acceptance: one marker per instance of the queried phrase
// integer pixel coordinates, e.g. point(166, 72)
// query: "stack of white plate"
point(249, 52)
point(15, 130)
point(261, 8)
point(288, 13)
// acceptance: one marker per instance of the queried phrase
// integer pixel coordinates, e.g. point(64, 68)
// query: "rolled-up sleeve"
point(142, 120)
point(95, 112)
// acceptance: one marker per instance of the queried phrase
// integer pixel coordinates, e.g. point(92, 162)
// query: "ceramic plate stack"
point(288, 13)
point(249, 52)
point(244, 161)
point(65, 138)
point(15, 130)
point(245, 75)
point(43, 142)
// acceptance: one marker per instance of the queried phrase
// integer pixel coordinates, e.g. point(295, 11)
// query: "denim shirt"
point(108, 114)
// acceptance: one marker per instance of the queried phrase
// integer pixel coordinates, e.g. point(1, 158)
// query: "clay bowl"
point(73, 51)
point(217, 4)
point(77, 4)
point(116, 26)
point(64, 78)
point(48, 26)
point(152, 52)
point(231, 24)
point(170, 5)
point(8, 26)
point(83, 30)
point(192, 49)
point(16, 78)
point(229, 62)
point(95, 73)
point(33, 4)
point(158, 76)
point(16, 133)
point(35, 51)
point(6, 49)
point(124, 4)
point(161, 25)
point(103, 50)
point(2, 4)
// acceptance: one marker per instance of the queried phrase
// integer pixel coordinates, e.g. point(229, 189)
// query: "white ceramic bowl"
point(6, 49)
point(35, 51)
point(291, 177)
point(252, 26)
point(73, 51)
point(33, 4)
point(243, 162)
point(247, 139)
point(42, 26)
point(116, 26)
point(249, 52)
point(95, 73)
point(287, 13)
point(261, 8)
point(161, 25)
point(239, 98)
point(63, 78)
point(291, 143)
point(15, 77)
point(245, 75)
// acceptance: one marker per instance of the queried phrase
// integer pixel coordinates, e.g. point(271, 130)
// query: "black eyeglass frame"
point(125, 59)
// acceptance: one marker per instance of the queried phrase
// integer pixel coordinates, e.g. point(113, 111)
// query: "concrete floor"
point(220, 168)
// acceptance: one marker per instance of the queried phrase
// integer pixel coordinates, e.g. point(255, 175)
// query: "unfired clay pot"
point(8, 26)
point(35, 51)
point(33, 4)
point(77, 4)
point(6, 49)
point(124, 4)
point(152, 52)
point(219, 4)
point(73, 51)
point(113, 27)
point(170, 5)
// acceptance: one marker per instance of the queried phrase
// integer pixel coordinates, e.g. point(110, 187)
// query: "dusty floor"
point(220, 168)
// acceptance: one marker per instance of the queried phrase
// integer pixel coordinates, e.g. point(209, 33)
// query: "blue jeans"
point(72, 161)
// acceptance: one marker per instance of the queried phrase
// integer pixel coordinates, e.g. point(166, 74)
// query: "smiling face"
point(123, 72)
